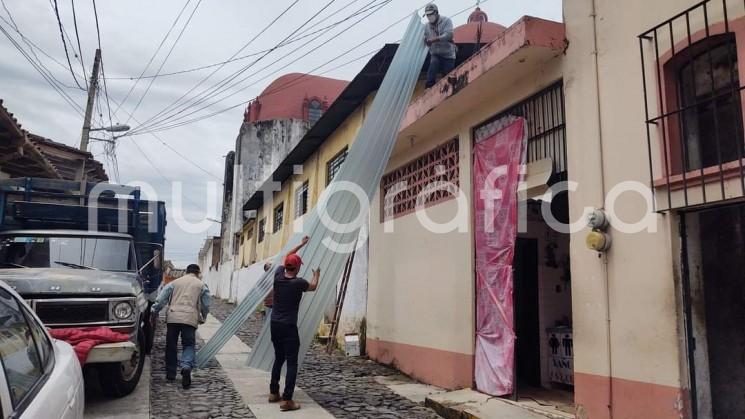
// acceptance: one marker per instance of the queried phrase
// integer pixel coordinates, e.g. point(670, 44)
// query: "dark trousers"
point(438, 65)
point(188, 340)
point(286, 343)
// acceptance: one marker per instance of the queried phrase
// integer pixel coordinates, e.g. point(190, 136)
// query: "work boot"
point(186, 378)
point(288, 405)
point(274, 398)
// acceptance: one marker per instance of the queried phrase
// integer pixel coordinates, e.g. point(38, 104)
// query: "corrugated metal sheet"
point(361, 173)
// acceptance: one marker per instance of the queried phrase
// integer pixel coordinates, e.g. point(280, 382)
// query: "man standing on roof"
point(439, 37)
point(288, 290)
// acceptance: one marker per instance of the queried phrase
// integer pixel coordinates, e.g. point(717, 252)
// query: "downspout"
point(604, 256)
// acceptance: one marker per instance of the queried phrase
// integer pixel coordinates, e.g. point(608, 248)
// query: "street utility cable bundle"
point(343, 206)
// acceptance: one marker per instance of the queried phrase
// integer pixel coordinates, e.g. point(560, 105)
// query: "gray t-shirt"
point(287, 295)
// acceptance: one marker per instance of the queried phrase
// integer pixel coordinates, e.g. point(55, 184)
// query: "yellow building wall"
point(314, 171)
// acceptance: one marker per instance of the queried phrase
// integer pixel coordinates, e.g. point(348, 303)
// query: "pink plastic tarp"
point(496, 174)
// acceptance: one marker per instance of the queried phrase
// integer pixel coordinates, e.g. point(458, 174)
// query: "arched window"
point(708, 93)
point(315, 110)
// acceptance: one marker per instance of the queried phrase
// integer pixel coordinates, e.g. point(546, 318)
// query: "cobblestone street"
point(211, 395)
point(344, 386)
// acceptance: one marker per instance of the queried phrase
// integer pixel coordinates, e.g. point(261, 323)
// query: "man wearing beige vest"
point(188, 301)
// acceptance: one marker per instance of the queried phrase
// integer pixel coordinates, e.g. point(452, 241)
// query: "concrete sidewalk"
point(252, 384)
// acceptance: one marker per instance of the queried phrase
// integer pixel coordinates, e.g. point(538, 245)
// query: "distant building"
point(272, 126)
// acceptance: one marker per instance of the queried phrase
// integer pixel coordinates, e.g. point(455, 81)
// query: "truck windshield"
point(104, 253)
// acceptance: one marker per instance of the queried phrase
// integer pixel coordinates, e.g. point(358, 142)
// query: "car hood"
point(28, 281)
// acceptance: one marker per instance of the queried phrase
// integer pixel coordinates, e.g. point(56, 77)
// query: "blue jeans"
point(438, 65)
point(188, 341)
point(286, 342)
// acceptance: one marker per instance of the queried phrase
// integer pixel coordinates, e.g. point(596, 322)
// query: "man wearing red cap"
point(288, 290)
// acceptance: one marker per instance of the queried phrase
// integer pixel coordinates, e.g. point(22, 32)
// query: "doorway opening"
point(714, 303)
point(544, 354)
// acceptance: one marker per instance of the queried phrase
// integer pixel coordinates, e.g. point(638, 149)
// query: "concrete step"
point(470, 404)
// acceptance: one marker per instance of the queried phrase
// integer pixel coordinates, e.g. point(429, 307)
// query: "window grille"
point(279, 213)
point(402, 187)
point(262, 230)
point(546, 129)
point(693, 107)
point(301, 200)
point(334, 165)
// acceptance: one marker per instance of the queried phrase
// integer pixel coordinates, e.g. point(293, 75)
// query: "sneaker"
point(288, 405)
point(274, 398)
point(186, 378)
point(171, 377)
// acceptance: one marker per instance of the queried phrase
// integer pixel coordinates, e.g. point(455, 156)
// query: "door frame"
point(686, 298)
point(690, 344)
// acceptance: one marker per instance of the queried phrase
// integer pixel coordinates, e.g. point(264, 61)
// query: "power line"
point(280, 88)
point(154, 127)
point(38, 68)
point(171, 148)
point(31, 46)
point(164, 61)
point(185, 196)
point(302, 35)
point(379, 7)
point(173, 25)
point(109, 147)
point(371, 7)
point(64, 44)
point(215, 89)
point(275, 20)
point(283, 87)
point(103, 71)
point(77, 37)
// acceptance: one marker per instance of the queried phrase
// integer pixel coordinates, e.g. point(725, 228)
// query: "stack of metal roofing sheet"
point(342, 210)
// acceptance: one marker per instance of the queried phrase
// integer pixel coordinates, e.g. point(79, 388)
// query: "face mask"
point(432, 18)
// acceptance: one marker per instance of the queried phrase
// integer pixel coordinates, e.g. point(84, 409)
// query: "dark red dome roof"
point(287, 97)
point(468, 33)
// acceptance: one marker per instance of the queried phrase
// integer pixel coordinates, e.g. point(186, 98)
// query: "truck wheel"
point(120, 379)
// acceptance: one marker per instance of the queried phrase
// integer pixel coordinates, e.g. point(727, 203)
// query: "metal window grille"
point(279, 213)
point(262, 230)
point(426, 175)
point(315, 110)
point(334, 165)
point(546, 129)
point(693, 107)
point(301, 200)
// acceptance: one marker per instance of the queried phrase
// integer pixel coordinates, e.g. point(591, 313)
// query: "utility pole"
point(89, 107)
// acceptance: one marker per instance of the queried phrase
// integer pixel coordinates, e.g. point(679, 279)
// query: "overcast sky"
point(132, 30)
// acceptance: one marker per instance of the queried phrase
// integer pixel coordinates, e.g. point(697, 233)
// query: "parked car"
point(40, 377)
